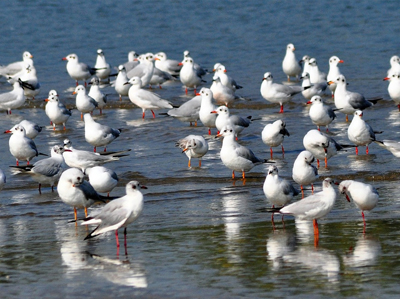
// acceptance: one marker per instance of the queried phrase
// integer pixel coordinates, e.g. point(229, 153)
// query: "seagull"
point(120, 87)
point(394, 65)
point(316, 76)
point(167, 65)
point(85, 159)
point(118, 213)
point(199, 70)
point(145, 99)
point(278, 191)
point(315, 206)
point(45, 171)
point(29, 78)
point(206, 117)
point(78, 70)
point(235, 156)
point(303, 172)
point(348, 102)
point(223, 94)
point(31, 129)
point(103, 69)
point(56, 111)
point(144, 70)
point(14, 98)
point(278, 93)
point(96, 94)
point(103, 179)
point(364, 195)
point(320, 114)
point(84, 103)
point(76, 192)
point(334, 72)
point(313, 88)
point(188, 75)
point(225, 119)
point(290, 65)
point(160, 77)
point(132, 61)
point(273, 135)
point(21, 147)
point(359, 132)
point(97, 134)
point(226, 80)
point(15, 67)
point(304, 61)
point(188, 111)
point(394, 87)
point(194, 146)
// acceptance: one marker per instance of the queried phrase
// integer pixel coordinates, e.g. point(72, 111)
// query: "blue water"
point(202, 235)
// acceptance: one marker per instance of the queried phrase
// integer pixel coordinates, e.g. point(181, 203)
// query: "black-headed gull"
point(334, 72)
point(15, 67)
point(160, 77)
point(194, 146)
point(320, 114)
point(13, 99)
point(224, 119)
point(103, 179)
point(303, 172)
point(145, 99)
point(315, 206)
point(188, 75)
point(45, 171)
point(167, 65)
point(206, 107)
point(348, 102)
point(226, 80)
point(132, 61)
point(314, 88)
point(103, 69)
point(278, 93)
point(21, 147)
point(78, 71)
point(31, 129)
point(76, 192)
point(235, 156)
point(199, 70)
point(120, 87)
point(29, 77)
point(96, 94)
point(277, 190)
point(144, 70)
point(360, 132)
point(304, 61)
point(364, 195)
point(188, 111)
point(56, 111)
point(273, 135)
point(118, 213)
point(98, 134)
point(83, 102)
point(394, 87)
point(222, 94)
point(394, 65)
point(316, 76)
point(290, 65)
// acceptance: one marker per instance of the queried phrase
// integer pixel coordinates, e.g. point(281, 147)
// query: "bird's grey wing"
point(288, 188)
point(89, 191)
point(358, 101)
point(248, 154)
point(47, 167)
point(240, 121)
point(33, 145)
point(302, 206)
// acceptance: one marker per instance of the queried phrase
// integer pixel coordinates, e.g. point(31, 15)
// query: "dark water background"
point(201, 234)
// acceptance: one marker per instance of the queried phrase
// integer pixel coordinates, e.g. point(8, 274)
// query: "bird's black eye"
point(194, 144)
point(342, 80)
point(231, 131)
point(134, 187)
point(78, 178)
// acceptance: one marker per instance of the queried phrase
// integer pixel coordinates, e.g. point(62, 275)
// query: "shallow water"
point(202, 234)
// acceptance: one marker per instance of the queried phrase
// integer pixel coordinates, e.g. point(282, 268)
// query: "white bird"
point(3, 179)
point(303, 172)
point(21, 147)
point(235, 156)
point(102, 179)
point(320, 114)
point(14, 98)
point(226, 80)
point(348, 102)
point(84, 159)
point(290, 65)
point(188, 75)
point(273, 135)
point(359, 132)
point(194, 146)
point(75, 191)
point(364, 195)
point(15, 67)
point(223, 94)
point(199, 70)
point(304, 61)
point(78, 70)
point(316, 76)
point(313, 88)
point(188, 111)
point(103, 69)
point(278, 93)
point(84, 103)
point(278, 191)
point(167, 65)
point(45, 171)
point(315, 206)
point(145, 99)
point(118, 213)
point(394, 87)
point(334, 72)
point(394, 65)
point(29, 77)
point(31, 129)
point(160, 77)
point(97, 134)
point(56, 111)
point(132, 61)
point(120, 87)
point(96, 94)
point(206, 117)
point(224, 119)
point(144, 70)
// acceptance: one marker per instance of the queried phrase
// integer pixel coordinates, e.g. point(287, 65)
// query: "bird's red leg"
point(312, 188)
point(154, 116)
point(233, 174)
point(86, 212)
point(366, 150)
point(302, 191)
point(356, 150)
point(143, 114)
point(270, 150)
point(281, 111)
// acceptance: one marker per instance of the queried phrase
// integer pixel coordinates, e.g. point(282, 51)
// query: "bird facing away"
point(273, 135)
point(194, 146)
